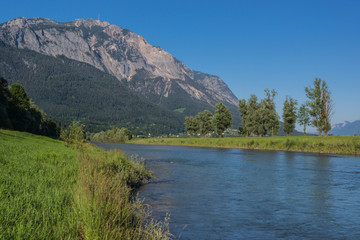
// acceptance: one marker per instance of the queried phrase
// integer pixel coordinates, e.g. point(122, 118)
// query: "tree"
point(314, 103)
point(74, 134)
point(243, 109)
point(271, 118)
point(289, 115)
point(321, 105)
point(255, 121)
point(222, 118)
point(326, 108)
point(252, 108)
point(205, 121)
point(304, 117)
point(19, 96)
point(113, 135)
point(191, 125)
point(5, 122)
point(18, 112)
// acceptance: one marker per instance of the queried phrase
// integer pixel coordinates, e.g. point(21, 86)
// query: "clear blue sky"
point(251, 45)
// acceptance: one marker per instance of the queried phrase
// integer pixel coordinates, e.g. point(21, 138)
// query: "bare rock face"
point(117, 51)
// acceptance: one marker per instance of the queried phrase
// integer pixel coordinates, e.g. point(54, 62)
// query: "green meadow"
point(313, 144)
point(50, 191)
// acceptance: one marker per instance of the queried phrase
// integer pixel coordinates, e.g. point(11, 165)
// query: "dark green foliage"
point(19, 97)
point(314, 103)
point(243, 109)
point(326, 108)
point(5, 121)
point(255, 123)
point(320, 105)
point(114, 134)
point(68, 90)
point(206, 124)
point(74, 134)
point(259, 118)
point(289, 115)
point(191, 125)
point(17, 112)
point(272, 123)
point(222, 118)
point(303, 117)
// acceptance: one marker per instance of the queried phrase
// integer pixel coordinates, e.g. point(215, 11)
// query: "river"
point(241, 194)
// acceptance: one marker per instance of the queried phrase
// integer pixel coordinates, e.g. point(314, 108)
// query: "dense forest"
point(70, 91)
point(18, 112)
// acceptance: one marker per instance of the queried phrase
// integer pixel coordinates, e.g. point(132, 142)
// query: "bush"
point(74, 134)
point(113, 135)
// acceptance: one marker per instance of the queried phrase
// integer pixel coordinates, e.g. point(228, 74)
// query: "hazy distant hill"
point(149, 71)
point(346, 128)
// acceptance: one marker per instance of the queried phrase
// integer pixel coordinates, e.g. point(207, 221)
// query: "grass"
point(50, 191)
point(314, 144)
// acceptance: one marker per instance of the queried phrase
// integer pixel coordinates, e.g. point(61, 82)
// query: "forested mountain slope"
point(70, 90)
point(145, 69)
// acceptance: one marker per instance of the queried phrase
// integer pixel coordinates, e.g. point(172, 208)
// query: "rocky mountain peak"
point(89, 23)
point(117, 51)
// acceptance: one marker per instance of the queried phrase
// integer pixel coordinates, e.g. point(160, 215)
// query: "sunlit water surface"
point(238, 194)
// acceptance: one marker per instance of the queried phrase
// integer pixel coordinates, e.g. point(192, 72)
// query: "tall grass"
point(104, 200)
point(330, 144)
point(36, 178)
point(50, 191)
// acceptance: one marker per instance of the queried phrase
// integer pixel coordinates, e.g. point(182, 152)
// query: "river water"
point(240, 194)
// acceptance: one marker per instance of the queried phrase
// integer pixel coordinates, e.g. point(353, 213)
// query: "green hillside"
point(69, 90)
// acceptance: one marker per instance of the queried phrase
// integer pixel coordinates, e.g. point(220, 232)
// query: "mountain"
point(71, 90)
point(149, 71)
point(346, 128)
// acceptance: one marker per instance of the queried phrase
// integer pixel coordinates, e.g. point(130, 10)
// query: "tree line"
point(114, 134)
point(205, 123)
point(18, 112)
point(259, 118)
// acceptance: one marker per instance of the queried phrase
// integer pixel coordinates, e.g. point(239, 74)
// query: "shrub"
point(74, 134)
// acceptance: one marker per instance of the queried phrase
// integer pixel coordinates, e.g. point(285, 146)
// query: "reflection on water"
point(240, 194)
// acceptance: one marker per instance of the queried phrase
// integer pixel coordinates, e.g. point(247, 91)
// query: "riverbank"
point(50, 191)
point(312, 144)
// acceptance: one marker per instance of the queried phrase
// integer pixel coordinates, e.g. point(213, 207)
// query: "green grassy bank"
point(50, 191)
point(313, 144)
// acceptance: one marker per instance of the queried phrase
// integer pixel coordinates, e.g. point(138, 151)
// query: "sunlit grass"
point(330, 144)
point(50, 191)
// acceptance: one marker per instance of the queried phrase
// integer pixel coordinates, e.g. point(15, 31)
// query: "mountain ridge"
point(114, 50)
point(154, 75)
point(69, 90)
point(346, 128)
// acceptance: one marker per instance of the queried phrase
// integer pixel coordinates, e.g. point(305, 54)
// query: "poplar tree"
point(326, 108)
point(243, 109)
point(271, 118)
point(304, 117)
point(255, 117)
point(289, 115)
point(252, 107)
point(222, 118)
point(314, 103)
point(321, 105)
